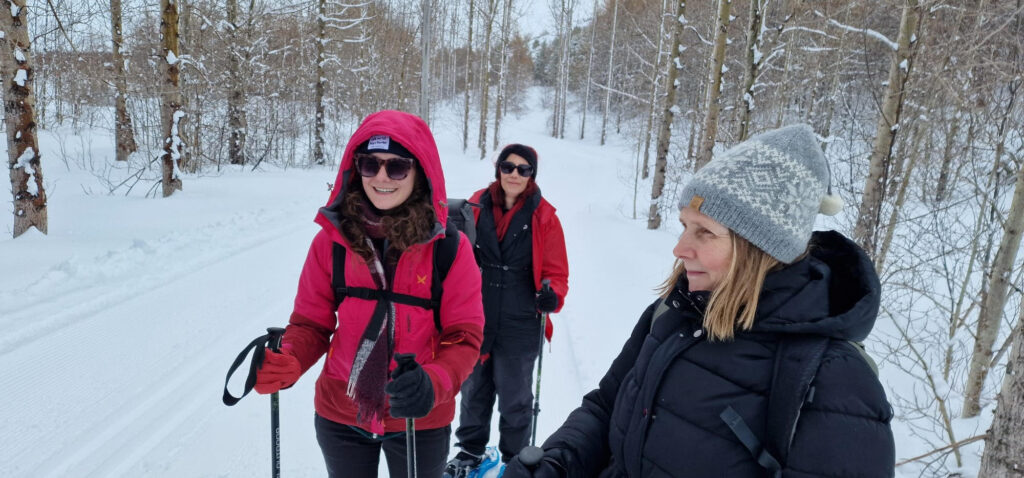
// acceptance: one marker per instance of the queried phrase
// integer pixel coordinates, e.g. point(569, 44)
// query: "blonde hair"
point(734, 301)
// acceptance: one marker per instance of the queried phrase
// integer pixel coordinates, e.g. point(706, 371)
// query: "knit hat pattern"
point(767, 189)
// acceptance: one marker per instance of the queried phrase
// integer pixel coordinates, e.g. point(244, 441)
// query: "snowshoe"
point(490, 467)
point(462, 465)
point(468, 465)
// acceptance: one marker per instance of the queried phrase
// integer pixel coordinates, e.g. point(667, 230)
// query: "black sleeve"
point(580, 445)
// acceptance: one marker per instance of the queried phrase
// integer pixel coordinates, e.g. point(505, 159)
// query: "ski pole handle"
point(531, 456)
point(545, 284)
point(275, 338)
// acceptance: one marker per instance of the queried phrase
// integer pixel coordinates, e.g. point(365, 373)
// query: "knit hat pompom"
point(521, 150)
point(831, 204)
point(768, 190)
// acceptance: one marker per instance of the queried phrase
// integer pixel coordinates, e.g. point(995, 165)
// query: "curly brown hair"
point(404, 225)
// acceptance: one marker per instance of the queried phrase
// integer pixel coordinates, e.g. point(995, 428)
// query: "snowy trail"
point(79, 288)
point(120, 325)
point(82, 350)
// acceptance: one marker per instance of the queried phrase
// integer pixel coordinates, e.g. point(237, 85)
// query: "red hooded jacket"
point(315, 328)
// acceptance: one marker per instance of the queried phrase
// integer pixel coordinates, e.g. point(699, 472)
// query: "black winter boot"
point(462, 464)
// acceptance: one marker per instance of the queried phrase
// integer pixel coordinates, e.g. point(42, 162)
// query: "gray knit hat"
point(767, 190)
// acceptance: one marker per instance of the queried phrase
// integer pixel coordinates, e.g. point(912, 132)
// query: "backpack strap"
point(338, 275)
point(659, 309)
point(796, 363)
point(445, 250)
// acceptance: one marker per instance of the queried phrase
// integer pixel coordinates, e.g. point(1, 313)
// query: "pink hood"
point(413, 133)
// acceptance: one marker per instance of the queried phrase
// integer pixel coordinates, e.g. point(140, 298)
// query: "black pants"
point(354, 453)
point(510, 377)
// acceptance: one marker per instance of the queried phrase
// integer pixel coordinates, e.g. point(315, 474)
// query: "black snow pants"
point(354, 453)
point(509, 376)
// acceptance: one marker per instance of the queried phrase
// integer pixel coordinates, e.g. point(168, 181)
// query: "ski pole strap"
point(746, 436)
point(258, 347)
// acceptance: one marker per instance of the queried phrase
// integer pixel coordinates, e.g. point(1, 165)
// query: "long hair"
point(407, 224)
point(734, 302)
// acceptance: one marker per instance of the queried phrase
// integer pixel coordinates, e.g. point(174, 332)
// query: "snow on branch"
point(620, 93)
point(866, 31)
point(809, 30)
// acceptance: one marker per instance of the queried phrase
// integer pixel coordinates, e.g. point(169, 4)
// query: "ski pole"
point(275, 417)
point(405, 363)
point(410, 447)
point(545, 285)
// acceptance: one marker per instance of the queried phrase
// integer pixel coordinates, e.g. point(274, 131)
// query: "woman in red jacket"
point(519, 244)
point(386, 211)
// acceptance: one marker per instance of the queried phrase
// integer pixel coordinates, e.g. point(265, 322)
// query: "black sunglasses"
point(396, 168)
point(506, 167)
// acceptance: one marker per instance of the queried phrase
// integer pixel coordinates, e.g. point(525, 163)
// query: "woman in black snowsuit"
point(746, 366)
point(519, 246)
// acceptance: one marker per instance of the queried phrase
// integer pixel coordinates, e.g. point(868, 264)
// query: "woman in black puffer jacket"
point(688, 395)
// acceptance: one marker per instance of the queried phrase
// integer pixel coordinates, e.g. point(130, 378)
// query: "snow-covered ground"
point(119, 325)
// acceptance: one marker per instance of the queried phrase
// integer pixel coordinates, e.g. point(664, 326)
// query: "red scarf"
point(502, 218)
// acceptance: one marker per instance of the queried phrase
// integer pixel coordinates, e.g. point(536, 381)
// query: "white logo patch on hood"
point(379, 142)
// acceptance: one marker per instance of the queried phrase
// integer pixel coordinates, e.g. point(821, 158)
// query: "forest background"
point(916, 103)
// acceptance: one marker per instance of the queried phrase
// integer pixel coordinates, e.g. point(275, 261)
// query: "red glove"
point(279, 370)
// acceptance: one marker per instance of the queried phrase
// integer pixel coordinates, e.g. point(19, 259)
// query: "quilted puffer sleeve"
point(844, 431)
point(580, 445)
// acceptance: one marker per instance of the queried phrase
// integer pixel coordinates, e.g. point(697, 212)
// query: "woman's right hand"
point(546, 468)
point(279, 370)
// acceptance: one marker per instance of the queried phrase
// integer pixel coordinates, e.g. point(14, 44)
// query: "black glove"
point(547, 301)
point(410, 391)
point(547, 468)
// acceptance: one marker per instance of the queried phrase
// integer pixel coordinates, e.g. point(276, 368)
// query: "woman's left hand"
point(547, 301)
point(410, 391)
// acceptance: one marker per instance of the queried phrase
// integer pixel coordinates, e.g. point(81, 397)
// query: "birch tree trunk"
point(654, 101)
point(469, 80)
point(667, 116)
point(942, 183)
point(321, 84)
point(755, 41)
point(994, 300)
point(124, 133)
point(608, 80)
point(566, 70)
point(236, 89)
point(866, 232)
point(485, 77)
point(590, 68)
point(499, 102)
point(424, 105)
point(709, 131)
point(171, 111)
point(1004, 446)
point(557, 101)
point(19, 119)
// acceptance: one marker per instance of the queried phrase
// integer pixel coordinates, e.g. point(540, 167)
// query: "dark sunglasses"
point(506, 167)
point(396, 168)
